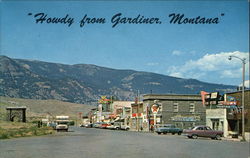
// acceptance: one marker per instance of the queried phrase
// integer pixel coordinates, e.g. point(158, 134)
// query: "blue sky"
point(198, 51)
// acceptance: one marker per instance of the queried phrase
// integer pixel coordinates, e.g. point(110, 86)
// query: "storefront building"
point(184, 111)
point(139, 118)
point(120, 112)
point(234, 116)
point(224, 112)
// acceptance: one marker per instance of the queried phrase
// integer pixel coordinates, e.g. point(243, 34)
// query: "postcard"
point(124, 78)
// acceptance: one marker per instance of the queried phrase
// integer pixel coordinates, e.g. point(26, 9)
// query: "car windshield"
point(193, 128)
point(165, 125)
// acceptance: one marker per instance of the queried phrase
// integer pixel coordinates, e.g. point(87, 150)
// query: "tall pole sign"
point(155, 109)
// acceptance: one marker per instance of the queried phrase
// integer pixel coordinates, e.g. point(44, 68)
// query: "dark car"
point(203, 131)
point(89, 125)
point(168, 128)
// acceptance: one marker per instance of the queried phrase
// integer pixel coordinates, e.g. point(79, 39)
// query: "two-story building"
point(182, 110)
point(139, 117)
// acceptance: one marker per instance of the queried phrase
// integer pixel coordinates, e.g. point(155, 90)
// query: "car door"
point(170, 129)
point(209, 132)
point(200, 131)
point(173, 129)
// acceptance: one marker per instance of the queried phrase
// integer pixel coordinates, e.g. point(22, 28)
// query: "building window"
point(191, 107)
point(175, 107)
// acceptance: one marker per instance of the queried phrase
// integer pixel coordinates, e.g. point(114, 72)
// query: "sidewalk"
point(231, 139)
point(239, 139)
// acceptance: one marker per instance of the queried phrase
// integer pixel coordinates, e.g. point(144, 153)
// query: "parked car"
point(125, 127)
point(203, 131)
point(90, 125)
point(97, 125)
point(104, 125)
point(110, 126)
point(168, 128)
point(52, 124)
point(114, 126)
point(81, 125)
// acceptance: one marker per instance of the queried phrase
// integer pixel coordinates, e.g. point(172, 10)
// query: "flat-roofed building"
point(182, 110)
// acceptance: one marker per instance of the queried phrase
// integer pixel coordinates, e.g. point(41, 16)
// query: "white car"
point(114, 126)
point(125, 127)
point(62, 127)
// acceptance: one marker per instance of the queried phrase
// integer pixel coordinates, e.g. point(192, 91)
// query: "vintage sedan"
point(104, 125)
point(203, 131)
point(168, 128)
point(114, 126)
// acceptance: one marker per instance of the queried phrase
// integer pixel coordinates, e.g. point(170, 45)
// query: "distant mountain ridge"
point(84, 83)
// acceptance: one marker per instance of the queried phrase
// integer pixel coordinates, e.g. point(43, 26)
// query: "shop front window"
point(215, 124)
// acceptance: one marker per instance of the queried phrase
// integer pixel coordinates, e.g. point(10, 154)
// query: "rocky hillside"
point(84, 83)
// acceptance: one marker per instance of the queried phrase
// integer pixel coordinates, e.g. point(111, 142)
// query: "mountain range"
point(85, 83)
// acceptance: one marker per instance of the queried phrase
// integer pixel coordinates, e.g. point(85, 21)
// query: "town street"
point(101, 143)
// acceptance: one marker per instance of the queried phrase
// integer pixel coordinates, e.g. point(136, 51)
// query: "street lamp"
point(243, 92)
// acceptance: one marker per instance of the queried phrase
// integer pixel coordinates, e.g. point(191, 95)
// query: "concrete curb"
point(231, 139)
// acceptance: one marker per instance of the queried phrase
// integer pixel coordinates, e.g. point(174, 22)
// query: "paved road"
point(100, 143)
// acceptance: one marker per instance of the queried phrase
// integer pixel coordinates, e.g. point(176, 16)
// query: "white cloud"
point(234, 73)
point(176, 74)
point(212, 64)
point(247, 84)
point(176, 52)
point(179, 53)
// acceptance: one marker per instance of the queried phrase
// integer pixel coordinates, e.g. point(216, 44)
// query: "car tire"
point(189, 137)
point(117, 128)
point(194, 136)
point(218, 137)
point(173, 133)
point(159, 133)
point(179, 133)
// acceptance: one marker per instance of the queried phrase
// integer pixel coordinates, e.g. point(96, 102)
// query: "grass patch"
point(15, 130)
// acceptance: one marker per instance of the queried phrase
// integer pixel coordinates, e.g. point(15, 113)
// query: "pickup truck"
point(168, 128)
point(62, 123)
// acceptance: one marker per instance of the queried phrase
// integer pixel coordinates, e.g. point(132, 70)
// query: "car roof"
point(201, 126)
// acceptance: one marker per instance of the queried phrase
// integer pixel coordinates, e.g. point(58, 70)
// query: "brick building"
point(182, 110)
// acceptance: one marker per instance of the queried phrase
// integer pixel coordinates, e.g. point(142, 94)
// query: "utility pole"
point(243, 93)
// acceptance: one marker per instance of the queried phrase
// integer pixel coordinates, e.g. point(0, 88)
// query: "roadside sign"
point(155, 108)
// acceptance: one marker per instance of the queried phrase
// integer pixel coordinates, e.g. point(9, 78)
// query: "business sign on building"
point(181, 118)
point(137, 114)
point(212, 98)
point(155, 108)
point(214, 95)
